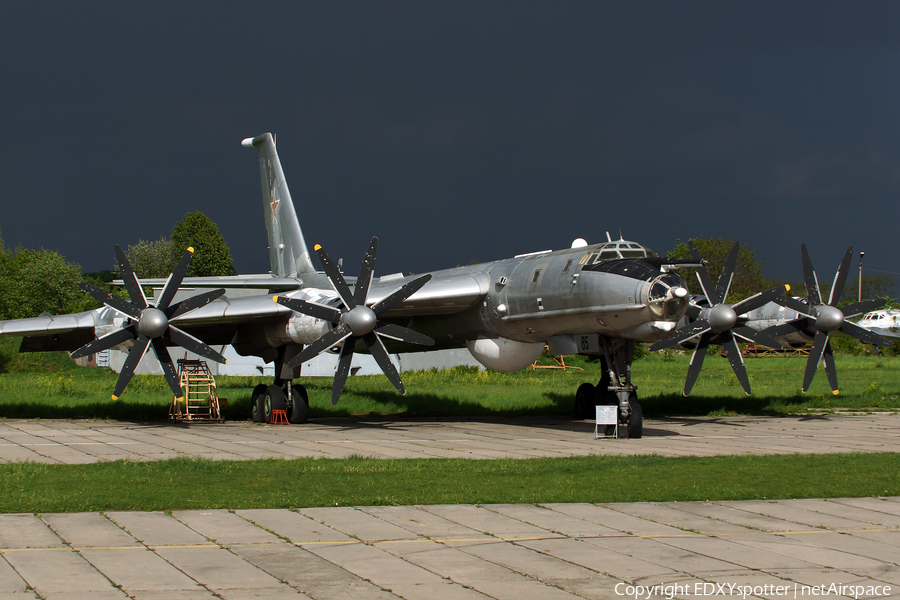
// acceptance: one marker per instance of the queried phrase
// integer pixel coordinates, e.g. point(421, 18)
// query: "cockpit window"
point(667, 296)
point(617, 250)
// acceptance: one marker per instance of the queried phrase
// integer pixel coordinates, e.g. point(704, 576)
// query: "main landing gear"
point(614, 388)
point(283, 394)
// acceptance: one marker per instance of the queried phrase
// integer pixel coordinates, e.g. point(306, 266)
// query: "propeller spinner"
point(149, 324)
point(355, 320)
point(821, 319)
point(718, 323)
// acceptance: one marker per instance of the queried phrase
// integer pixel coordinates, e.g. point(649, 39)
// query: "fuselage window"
point(565, 269)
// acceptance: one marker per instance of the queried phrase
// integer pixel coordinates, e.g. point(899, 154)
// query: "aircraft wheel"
point(585, 401)
point(256, 402)
point(635, 418)
point(300, 409)
point(272, 400)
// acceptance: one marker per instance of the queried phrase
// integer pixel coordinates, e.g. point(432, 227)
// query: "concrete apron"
point(771, 549)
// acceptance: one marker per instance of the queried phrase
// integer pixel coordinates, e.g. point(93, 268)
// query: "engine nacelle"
point(300, 329)
point(501, 354)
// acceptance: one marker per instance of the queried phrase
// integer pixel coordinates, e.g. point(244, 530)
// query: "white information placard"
point(607, 415)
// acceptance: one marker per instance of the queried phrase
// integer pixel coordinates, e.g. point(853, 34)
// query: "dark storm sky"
point(456, 130)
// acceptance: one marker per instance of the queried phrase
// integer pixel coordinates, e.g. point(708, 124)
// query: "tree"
point(33, 282)
point(748, 277)
point(211, 255)
point(151, 260)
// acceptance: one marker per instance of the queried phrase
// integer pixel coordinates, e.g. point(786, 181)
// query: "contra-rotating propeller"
point(718, 323)
point(356, 321)
point(150, 324)
point(820, 319)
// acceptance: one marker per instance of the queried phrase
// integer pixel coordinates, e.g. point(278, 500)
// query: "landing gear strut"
point(614, 388)
point(283, 394)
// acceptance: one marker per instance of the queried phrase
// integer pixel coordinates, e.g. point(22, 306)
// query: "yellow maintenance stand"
point(201, 402)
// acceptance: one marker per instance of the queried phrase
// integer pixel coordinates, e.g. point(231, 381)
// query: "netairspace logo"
point(702, 588)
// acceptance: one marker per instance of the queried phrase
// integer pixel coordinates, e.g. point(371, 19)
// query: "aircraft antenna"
point(608, 237)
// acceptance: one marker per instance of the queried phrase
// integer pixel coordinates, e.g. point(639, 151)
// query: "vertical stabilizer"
point(288, 255)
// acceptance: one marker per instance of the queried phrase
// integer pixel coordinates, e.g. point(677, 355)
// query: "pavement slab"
point(417, 520)
point(357, 523)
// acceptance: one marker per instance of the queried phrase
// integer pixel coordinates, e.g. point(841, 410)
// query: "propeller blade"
point(737, 362)
point(340, 374)
point(727, 274)
point(319, 311)
point(165, 361)
point(402, 334)
point(107, 341)
point(384, 361)
point(830, 369)
point(688, 331)
point(809, 277)
point(131, 362)
point(702, 274)
point(114, 302)
point(174, 280)
point(400, 294)
point(864, 335)
point(193, 303)
point(858, 308)
point(189, 342)
point(837, 288)
point(365, 273)
point(759, 300)
point(693, 311)
point(336, 279)
point(815, 355)
point(332, 338)
point(696, 364)
point(130, 279)
point(757, 337)
point(787, 328)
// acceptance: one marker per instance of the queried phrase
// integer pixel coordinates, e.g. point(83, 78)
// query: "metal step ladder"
point(201, 401)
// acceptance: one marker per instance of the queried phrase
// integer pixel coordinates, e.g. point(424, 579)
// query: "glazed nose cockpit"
point(668, 296)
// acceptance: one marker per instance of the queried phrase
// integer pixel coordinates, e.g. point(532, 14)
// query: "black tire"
point(300, 405)
point(272, 400)
point(585, 401)
point(635, 418)
point(256, 402)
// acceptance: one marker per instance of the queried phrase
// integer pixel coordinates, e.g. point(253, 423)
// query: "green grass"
point(275, 483)
point(49, 386)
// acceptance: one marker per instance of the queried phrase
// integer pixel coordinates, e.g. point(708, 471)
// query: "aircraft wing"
point(61, 332)
point(446, 293)
point(213, 323)
point(252, 282)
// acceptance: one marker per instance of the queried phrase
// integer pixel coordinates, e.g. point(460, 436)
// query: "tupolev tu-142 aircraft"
point(599, 299)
